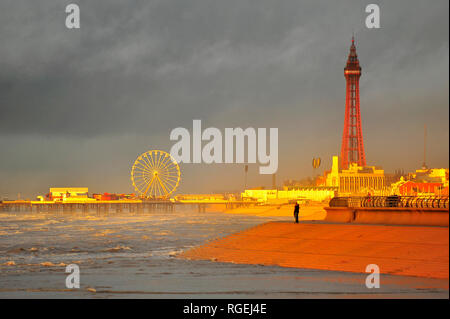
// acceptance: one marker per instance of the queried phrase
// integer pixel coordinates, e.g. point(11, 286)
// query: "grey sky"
point(78, 106)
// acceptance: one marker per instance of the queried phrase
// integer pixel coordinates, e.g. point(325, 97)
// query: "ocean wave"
point(50, 264)
point(167, 252)
point(118, 248)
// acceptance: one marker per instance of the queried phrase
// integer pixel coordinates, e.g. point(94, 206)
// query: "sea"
point(135, 255)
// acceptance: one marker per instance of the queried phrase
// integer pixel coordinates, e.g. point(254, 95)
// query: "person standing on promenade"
point(296, 211)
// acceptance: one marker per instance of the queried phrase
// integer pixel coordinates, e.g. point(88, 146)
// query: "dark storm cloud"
point(141, 68)
point(139, 64)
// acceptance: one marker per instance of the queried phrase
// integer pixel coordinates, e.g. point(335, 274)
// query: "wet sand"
point(397, 250)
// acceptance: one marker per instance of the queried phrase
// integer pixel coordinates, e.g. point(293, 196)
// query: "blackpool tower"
point(352, 150)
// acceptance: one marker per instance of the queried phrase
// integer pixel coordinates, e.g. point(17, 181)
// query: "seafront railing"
point(391, 201)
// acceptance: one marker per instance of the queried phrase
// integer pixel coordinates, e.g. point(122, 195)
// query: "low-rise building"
point(356, 180)
point(63, 193)
point(200, 197)
point(424, 181)
point(317, 194)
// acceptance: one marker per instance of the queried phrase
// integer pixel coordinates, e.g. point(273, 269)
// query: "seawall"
point(397, 250)
point(388, 216)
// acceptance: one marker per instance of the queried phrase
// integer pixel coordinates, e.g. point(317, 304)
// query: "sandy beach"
point(313, 212)
point(397, 250)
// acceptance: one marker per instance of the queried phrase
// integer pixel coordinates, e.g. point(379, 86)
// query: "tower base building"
point(356, 180)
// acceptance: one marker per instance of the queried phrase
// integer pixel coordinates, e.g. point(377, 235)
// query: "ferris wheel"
point(155, 174)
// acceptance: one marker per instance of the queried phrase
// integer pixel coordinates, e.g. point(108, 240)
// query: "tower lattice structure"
point(352, 150)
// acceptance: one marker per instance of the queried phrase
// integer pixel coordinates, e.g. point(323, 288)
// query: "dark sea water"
point(133, 255)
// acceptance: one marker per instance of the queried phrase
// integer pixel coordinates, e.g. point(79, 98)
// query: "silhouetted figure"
point(296, 211)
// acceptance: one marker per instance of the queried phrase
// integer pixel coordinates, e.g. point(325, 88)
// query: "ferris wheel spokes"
point(155, 174)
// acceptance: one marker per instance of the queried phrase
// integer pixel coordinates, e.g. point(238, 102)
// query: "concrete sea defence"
point(388, 216)
point(397, 250)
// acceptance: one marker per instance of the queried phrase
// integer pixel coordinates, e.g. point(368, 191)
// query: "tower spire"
point(352, 150)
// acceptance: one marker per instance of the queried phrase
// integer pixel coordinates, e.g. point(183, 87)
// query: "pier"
point(119, 206)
